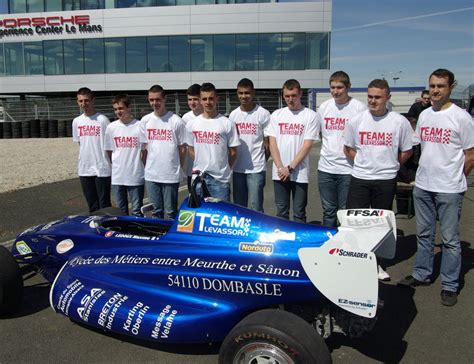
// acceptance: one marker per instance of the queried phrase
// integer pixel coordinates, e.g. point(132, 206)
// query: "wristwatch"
point(290, 168)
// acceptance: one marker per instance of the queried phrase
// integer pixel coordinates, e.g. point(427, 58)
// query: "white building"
point(47, 47)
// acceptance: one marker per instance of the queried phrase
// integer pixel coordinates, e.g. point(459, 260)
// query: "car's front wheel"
point(274, 337)
point(11, 283)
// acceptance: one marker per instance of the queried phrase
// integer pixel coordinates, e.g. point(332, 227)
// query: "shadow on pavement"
point(386, 342)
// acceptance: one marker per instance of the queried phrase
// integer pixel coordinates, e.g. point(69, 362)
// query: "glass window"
point(72, 4)
point(201, 53)
point(136, 54)
point(114, 55)
point(185, 2)
point(33, 53)
point(224, 52)
point(165, 2)
point(17, 6)
point(126, 3)
point(53, 57)
point(2, 65)
point(246, 46)
point(205, 2)
point(35, 6)
point(157, 53)
point(54, 5)
point(317, 50)
point(269, 51)
point(179, 57)
point(145, 3)
point(73, 57)
point(92, 4)
point(14, 59)
point(94, 59)
point(293, 51)
point(109, 4)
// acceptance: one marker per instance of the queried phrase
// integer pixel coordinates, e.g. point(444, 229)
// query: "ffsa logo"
point(364, 212)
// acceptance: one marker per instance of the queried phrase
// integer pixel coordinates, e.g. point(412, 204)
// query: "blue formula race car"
point(269, 289)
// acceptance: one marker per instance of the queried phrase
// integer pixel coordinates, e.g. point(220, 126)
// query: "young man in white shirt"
point(122, 142)
point(93, 167)
point(249, 171)
point(213, 141)
point(194, 103)
point(378, 141)
point(292, 133)
point(334, 168)
point(163, 132)
point(446, 134)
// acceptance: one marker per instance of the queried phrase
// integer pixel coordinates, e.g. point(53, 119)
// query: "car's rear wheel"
point(273, 337)
point(11, 283)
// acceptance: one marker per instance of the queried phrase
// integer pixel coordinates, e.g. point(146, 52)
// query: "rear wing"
point(344, 269)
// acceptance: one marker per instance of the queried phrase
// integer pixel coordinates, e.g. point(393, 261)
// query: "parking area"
point(412, 327)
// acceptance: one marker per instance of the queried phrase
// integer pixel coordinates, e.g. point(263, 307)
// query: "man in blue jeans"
point(250, 167)
point(212, 144)
point(164, 134)
point(446, 135)
point(128, 155)
point(292, 133)
point(334, 168)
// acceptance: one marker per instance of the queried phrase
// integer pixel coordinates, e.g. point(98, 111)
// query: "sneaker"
point(449, 298)
point(383, 275)
point(411, 281)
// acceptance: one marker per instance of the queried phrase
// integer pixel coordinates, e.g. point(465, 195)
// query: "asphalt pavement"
point(413, 327)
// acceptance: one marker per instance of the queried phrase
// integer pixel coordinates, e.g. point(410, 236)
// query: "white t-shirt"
point(377, 141)
point(163, 136)
point(189, 161)
point(211, 139)
point(89, 131)
point(334, 119)
point(252, 128)
point(291, 129)
point(444, 135)
point(123, 140)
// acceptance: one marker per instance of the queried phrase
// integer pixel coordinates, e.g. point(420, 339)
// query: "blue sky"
point(372, 38)
point(380, 38)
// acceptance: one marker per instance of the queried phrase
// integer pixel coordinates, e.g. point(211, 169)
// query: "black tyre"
point(69, 128)
point(52, 128)
point(44, 123)
point(11, 283)
point(26, 128)
point(35, 128)
point(1, 130)
point(109, 211)
point(273, 336)
point(16, 130)
point(62, 133)
point(7, 130)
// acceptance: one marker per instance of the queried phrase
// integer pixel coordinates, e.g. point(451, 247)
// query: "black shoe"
point(411, 281)
point(449, 298)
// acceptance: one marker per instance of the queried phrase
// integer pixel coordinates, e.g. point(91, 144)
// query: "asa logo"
point(186, 221)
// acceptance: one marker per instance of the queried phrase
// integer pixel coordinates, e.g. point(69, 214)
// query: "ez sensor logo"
point(347, 253)
point(364, 212)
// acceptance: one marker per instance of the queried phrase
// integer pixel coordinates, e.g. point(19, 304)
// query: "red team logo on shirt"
point(160, 134)
point(335, 123)
point(435, 135)
point(126, 142)
point(206, 137)
point(247, 128)
point(375, 138)
point(89, 130)
point(291, 129)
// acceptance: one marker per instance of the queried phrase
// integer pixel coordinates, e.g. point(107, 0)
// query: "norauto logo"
point(47, 25)
point(364, 212)
point(347, 253)
point(44, 21)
